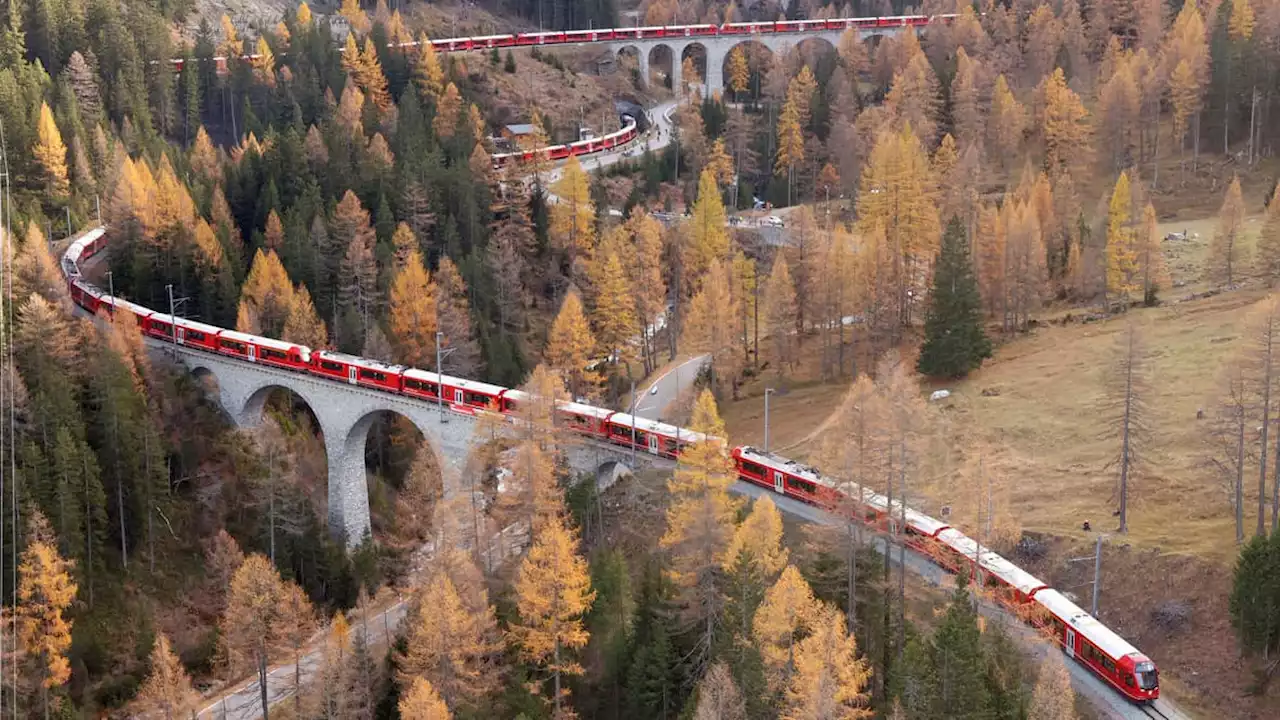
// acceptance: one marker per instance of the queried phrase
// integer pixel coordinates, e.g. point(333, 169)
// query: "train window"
point(234, 346)
point(477, 399)
point(270, 354)
point(162, 327)
point(753, 468)
point(421, 386)
point(331, 366)
point(195, 335)
point(372, 375)
point(802, 485)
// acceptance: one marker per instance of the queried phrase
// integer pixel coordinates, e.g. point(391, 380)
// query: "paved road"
point(653, 404)
point(1106, 701)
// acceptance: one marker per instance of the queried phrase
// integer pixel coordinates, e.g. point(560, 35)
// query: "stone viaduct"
point(718, 47)
point(346, 412)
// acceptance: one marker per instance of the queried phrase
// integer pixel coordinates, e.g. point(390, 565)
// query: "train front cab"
point(1094, 645)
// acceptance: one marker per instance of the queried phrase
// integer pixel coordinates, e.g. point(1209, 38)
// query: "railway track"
point(1153, 711)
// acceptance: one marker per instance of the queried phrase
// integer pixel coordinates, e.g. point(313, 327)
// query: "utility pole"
point(633, 424)
point(767, 392)
point(173, 326)
point(1097, 570)
point(111, 290)
point(439, 358)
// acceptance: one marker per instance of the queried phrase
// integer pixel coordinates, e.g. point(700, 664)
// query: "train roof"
point(134, 308)
point(474, 386)
point(787, 465)
point(658, 428)
point(1086, 625)
point(585, 410)
point(924, 523)
point(77, 248)
point(262, 341)
point(491, 37)
point(190, 324)
point(1011, 574)
point(362, 362)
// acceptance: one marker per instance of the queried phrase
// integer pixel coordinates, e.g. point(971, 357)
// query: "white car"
point(773, 220)
point(654, 390)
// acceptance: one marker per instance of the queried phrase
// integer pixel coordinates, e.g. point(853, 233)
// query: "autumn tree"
point(44, 596)
point(303, 324)
point(710, 325)
point(453, 316)
point(422, 702)
point(708, 239)
point(570, 345)
point(1064, 126)
point(264, 63)
point(1226, 251)
point(739, 73)
point(783, 618)
point(1122, 251)
point(265, 297)
point(759, 536)
point(645, 275)
point(448, 112)
point(790, 144)
point(829, 679)
point(780, 309)
point(613, 312)
point(966, 106)
point(1053, 698)
point(719, 697)
point(427, 73)
point(1124, 408)
point(1267, 259)
point(1152, 272)
point(1005, 123)
point(412, 314)
point(896, 198)
point(450, 644)
point(51, 154)
point(553, 592)
point(954, 340)
point(572, 229)
point(913, 99)
point(167, 690)
point(700, 525)
point(256, 619)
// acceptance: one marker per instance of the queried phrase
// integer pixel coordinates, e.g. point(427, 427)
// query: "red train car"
point(266, 351)
point(1095, 646)
point(357, 370)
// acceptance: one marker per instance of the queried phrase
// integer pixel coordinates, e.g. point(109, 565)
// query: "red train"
point(1080, 635)
point(582, 147)
point(575, 37)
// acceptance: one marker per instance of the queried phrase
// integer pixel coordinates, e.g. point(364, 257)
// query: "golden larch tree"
point(303, 325)
point(760, 537)
point(536, 497)
point(739, 72)
point(1151, 265)
point(422, 702)
point(573, 216)
point(897, 194)
point(1226, 251)
point(1064, 127)
point(553, 592)
point(412, 316)
point(913, 99)
point(830, 680)
point(1122, 255)
point(273, 235)
point(781, 311)
point(303, 15)
point(403, 242)
point(1267, 259)
point(450, 645)
point(371, 77)
point(644, 272)
point(570, 345)
point(709, 325)
point(427, 72)
point(46, 591)
point(265, 296)
point(448, 112)
point(720, 164)
point(264, 63)
point(790, 142)
point(51, 153)
point(708, 239)
point(700, 524)
point(255, 621)
point(1053, 698)
point(613, 313)
point(355, 16)
point(785, 615)
point(167, 691)
point(1006, 123)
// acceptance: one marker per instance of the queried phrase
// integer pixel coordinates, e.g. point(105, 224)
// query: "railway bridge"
point(716, 48)
point(345, 414)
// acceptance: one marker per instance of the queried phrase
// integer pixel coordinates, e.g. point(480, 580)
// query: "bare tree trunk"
point(1125, 436)
point(1240, 422)
point(262, 682)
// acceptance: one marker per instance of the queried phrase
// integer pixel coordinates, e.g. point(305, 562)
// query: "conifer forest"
point(1014, 265)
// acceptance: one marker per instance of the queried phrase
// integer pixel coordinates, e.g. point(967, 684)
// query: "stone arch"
point(760, 57)
point(610, 471)
point(632, 59)
point(700, 54)
point(250, 413)
point(348, 474)
point(662, 63)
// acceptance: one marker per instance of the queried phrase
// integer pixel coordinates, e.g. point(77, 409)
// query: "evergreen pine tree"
point(1255, 613)
point(957, 659)
point(954, 341)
